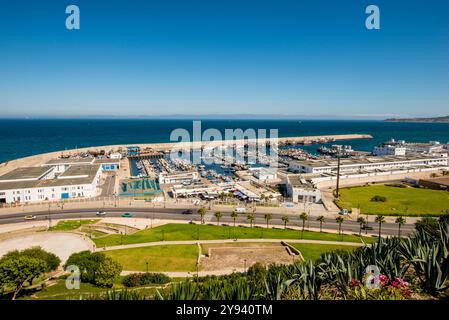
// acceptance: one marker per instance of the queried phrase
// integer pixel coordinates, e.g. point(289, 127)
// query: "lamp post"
point(337, 189)
point(146, 262)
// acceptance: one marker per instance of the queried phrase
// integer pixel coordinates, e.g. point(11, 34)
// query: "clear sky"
point(307, 58)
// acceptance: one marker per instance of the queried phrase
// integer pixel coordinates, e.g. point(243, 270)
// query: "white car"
point(101, 213)
point(30, 217)
point(344, 212)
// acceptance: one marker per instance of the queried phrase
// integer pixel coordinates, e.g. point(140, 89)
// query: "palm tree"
point(251, 217)
point(380, 219)
point(304, 217)
point(218, 216)
point(202, 212)
point(400, 221)
point(361, 221)
point(234, 216)
point(267, 218)
point(340, 221)
point(285, 220)
point(321, 219)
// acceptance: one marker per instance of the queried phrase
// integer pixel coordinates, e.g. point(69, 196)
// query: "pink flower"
point(399, 283)
point(355, 283)
point(383, 280)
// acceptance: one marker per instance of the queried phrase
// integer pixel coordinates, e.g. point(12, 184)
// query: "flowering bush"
point(398, 289)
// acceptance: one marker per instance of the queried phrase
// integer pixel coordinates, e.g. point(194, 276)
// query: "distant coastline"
point(444, 119)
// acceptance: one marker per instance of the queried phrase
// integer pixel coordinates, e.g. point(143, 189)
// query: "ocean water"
point(20, 138)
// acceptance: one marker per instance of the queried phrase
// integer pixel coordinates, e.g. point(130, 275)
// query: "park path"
point(164, 243)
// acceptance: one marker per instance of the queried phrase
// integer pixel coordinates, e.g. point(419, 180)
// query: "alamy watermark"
point(249, 146)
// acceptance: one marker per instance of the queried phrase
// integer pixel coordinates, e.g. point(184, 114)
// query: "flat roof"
point(23, 173)
point(107, 160)
point(365, 160)
point(88, 172)
point(81, 170)
point(70, 161)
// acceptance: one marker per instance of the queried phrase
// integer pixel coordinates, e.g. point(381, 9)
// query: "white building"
point(264, 174)
point(115, 155)
point(302, 191)
point(389, 150)
point(49, 183)
point(178, 177)
point(368, 164)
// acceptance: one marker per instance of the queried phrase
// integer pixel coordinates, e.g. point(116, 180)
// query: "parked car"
point(30, 217)
point(188, 211)
point(344, 212)
point(127, 215)
point(101, 213)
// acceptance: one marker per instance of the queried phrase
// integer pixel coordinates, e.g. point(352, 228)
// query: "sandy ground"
point(61, 244)
point(240, 257)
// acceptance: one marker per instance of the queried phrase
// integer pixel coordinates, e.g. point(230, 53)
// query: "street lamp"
point(147, 265)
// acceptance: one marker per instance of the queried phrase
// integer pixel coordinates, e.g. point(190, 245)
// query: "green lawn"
point(400, 201)
point(60, 292)
point(67, 225)
point(160, 258)
point(312, 251)
point(174, 232)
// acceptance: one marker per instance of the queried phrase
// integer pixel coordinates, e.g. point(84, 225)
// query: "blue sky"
point(300, 58)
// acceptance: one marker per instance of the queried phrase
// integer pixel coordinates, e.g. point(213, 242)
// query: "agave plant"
point(429, 257)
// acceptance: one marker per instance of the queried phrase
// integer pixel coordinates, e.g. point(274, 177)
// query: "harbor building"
point(368, 164)
point(30, 184)
point(301, 190)
point(62, 164)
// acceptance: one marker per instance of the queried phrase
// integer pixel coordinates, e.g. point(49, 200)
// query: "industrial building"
point(49, 183)
point(368, 164)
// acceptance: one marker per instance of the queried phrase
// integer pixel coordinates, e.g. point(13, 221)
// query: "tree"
point(218, 216)
point(361, 221)
point(285, 220)
point(202, 212)
point(88, 264)
point(108, 271)
point(304, 217)
point(14, 273)
point(380, 219)
point(267, 218)
point(321, 220)
point(340, 221)
point(234, 216)
point(51, 260)
point(95, 268)
point(251, 217)
point(400, 221)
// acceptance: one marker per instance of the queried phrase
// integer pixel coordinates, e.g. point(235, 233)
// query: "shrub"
point(396, 185)
point(141, 279)
point(379, 199)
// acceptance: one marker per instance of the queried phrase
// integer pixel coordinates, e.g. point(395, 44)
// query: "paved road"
point(176, 214)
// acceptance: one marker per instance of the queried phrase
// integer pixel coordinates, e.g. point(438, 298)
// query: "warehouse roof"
point(25, 173)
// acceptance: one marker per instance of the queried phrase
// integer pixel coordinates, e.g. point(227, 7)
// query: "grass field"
point(159, 258)
point(312, 251)
point(67, 225)
point(59, 291)
point(400, 201)
point(175, 232)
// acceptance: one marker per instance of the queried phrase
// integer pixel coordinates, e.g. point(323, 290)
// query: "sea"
point(26, 137)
